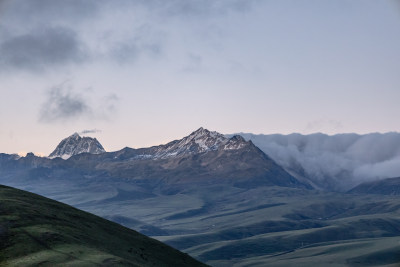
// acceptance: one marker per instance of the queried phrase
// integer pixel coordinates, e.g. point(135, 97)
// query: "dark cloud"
point(126, 52)
point(62, 105)
point(45, 12)
point(38, 50)
point(37, 35)
point(78, 10)
point(190, 8)
point(42, 34)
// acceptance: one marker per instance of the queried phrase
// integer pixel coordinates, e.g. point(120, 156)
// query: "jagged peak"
point(75, 144)
point(201, 129)
point(29, 155)
point(238, 138)
point(203, 133)
point(199, 132)
point(199, 141)
point(74, 135)
point(235, 142)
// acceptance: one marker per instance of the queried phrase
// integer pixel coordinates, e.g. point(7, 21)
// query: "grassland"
point(229, 226)
point(36, 231)
point(291, 227)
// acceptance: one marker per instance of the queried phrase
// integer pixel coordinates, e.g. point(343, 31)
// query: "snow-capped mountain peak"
point(75, 135)
point(75, 144)
point(205, 139)
point(199, 141)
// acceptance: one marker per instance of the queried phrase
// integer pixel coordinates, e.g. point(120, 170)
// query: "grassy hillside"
point(267, 226)
point(36, 231)
point(389, 186)
point(290, 227)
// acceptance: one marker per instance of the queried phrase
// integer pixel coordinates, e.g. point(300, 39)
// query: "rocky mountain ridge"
point(199, 141)
point(202, 157)
point(75, 144)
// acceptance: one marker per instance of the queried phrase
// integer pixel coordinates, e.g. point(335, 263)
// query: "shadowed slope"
point(389, 186)
point(38, 231)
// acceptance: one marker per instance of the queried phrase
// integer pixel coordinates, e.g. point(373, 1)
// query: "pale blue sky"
point(146, 72)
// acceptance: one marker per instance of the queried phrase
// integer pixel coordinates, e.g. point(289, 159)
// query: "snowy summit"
point(75, 144)
point(199, 141)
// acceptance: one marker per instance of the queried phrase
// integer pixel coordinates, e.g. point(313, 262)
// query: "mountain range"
point(219, 198)
point(203, 157)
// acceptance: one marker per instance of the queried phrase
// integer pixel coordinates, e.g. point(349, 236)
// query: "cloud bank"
point(40, 34)
point(343, 159)
point(45, 48)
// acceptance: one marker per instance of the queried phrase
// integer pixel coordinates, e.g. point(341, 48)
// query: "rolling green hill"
point(276, 226)
point(36, 231)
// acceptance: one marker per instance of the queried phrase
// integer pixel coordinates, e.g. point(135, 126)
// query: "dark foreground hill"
point(36, 231)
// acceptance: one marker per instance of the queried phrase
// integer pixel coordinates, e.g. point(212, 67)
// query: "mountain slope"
point(337, 162)
point(199, 141)
point(38, 231)
point(389, 186)
point(75, 144)
point(203, 157)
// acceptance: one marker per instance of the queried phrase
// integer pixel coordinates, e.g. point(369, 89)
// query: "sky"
point(144, 72)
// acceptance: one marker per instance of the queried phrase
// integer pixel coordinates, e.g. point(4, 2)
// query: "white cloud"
point(345, 159)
